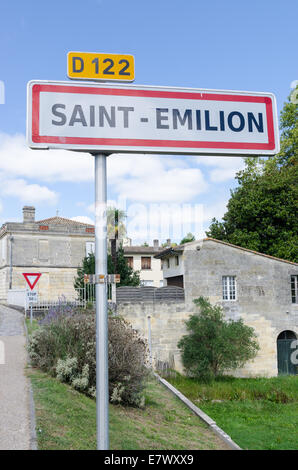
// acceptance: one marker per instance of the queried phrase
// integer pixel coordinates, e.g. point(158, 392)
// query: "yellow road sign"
point(98, 66)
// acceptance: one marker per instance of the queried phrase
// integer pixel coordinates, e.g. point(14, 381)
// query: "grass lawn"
point(260, 414)
point(66, 420)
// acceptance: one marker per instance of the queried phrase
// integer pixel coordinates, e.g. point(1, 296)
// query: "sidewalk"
point(14, 385)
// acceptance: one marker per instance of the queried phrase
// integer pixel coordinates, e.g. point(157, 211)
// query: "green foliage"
point(289, 137)
point(213, 344)
point(128, 277)
point(188, 238)
point(258, 413)
point(66, 348)
point(88, 267)
point(262, 211)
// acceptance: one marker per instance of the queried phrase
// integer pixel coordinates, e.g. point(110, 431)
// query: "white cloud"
point(217, 210)
point(84, 219)
point(150, 178)
point(224, 168)
point(138, 177)
point(18, 161)
point(28, 193)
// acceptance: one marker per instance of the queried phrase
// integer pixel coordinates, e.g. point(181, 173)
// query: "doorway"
point(284, 352)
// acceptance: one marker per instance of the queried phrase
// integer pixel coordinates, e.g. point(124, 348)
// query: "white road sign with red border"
point(129, 118)
point(32, 279)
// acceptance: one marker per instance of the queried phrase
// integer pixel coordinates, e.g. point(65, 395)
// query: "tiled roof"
point(169, 251)
point(142, 249)
point(62, 221)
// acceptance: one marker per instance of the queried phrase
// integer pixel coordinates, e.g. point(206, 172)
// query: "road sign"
point(101, 278)
point(98, 66)
point(129, 118)
point(103, 119)
point(31, 279)
point(32, 296)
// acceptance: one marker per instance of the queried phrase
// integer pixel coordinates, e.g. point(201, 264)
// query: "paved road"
point(14, 385)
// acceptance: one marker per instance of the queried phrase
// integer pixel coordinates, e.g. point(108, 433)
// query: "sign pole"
point(102, 383)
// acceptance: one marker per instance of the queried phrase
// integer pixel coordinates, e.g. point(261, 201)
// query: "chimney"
point(155, 244)
point(168, 242)
point(28, 214)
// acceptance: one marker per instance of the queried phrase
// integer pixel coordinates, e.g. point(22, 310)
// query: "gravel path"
point(14, 385)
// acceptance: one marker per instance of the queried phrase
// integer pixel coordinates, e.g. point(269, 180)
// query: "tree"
point(116, 223)
point(262, 211)
point(188, 238)
point(116, 229)
point(214, 345)
point(128, 277)
point(88, 267)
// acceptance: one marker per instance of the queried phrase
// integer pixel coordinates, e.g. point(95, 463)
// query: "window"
point(294, 289)
point(168, 262)
point(177, 260)
point(43, 250)
point(229, 287)
point(90, 248)
point(146, 283)
point(129, 260)
point(146, 262)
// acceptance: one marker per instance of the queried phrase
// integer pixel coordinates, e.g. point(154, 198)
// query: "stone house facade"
point(54, 247)
point(260, 289)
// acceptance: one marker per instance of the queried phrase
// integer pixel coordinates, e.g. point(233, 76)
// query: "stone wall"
point(55, 255)
point(53, 283)
point(166, 321)
point(263, 301)
point(168, 326)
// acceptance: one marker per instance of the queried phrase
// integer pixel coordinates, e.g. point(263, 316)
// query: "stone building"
point(54, 247)
point(260, 289)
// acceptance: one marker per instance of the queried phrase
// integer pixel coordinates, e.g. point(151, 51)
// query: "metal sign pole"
point(102, 383)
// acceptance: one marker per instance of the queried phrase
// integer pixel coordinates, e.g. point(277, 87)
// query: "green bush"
point(66, 348)
point(214, 345)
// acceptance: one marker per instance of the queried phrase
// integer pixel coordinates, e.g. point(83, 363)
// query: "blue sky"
point(229, 45)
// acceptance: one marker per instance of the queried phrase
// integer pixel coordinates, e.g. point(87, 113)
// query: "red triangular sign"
point(31, 279)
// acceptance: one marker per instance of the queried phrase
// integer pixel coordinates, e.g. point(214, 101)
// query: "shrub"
point(66, 348)
point(214, 345)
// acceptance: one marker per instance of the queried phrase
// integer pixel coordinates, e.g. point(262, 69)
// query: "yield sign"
point(31, 279)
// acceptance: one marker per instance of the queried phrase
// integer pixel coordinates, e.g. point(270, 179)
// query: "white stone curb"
point(211, 423)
